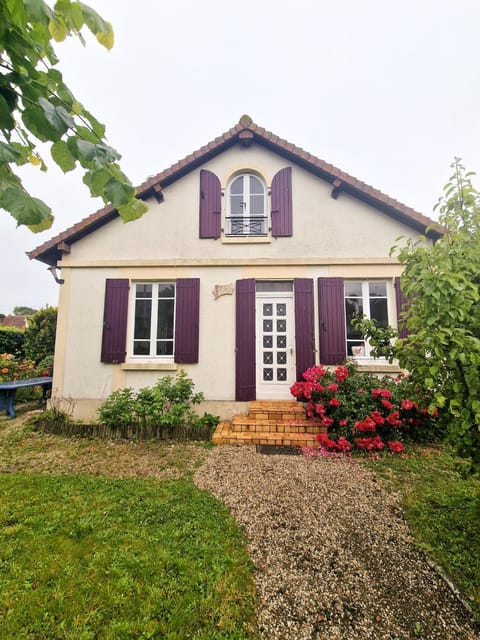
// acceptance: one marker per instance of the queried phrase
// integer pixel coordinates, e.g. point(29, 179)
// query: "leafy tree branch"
point(36, 106)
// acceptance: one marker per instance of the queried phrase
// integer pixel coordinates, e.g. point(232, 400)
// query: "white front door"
point(275, 341)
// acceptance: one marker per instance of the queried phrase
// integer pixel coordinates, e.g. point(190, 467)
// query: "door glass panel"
point(281, 309)
point(267, 309)
point(281, 326)
point(268, 326)
point(281, 375)
point(274, 286)
point(281, 342)
point(267, 357)
point(281, 357)
point(267, 342)
point(268, 374)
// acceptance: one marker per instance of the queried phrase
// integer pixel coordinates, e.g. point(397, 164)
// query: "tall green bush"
point(442, 284)
point(40, 334)
point(11, 341)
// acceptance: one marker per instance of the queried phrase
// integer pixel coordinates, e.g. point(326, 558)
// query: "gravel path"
point(333, 555)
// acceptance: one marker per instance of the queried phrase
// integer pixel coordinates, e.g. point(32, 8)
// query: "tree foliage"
point(23, 311)
point(40, 334)
point(442, 284)
point(36, 106)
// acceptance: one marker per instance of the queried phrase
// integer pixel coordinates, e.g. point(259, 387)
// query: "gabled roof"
point(245, 132)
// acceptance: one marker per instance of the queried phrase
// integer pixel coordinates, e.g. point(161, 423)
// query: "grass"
point(442, 505)
point(85, 556)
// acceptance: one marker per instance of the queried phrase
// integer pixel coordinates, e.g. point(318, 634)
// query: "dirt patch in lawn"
point(24, 450)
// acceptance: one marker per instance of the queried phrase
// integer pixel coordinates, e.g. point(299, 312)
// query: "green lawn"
point(84, 557)
point(442, 504)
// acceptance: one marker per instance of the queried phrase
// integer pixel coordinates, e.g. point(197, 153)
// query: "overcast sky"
point(386, 90)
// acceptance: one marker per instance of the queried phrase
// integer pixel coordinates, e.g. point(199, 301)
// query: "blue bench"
point(8, 391)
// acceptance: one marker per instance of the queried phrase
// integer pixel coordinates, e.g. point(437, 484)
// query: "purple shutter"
point(245, 383)
point(304, 325)
point(210, 205)
point(282, 203)
point(187, 315)
point(114, 336)
point(331, 311)
point(402, 305)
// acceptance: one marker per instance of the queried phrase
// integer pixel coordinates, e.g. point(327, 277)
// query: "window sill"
point(246, 240)
point(149, 366)
point(376, 366)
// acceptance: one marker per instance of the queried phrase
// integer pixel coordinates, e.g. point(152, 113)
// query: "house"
point(14, 322)
point(247, 269)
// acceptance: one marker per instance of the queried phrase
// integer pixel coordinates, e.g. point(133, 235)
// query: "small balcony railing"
point(246, 226)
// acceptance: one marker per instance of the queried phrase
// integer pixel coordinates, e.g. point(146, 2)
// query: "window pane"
point(267, 309)
point(143, 313)
point(236, 205)
point(256, 186)
point(257, 205)
point(378, 311)
point(267, 342)
point(353, 289)
point(281, 309)
point(143, 290)
point(237, 186)
point(272, 285)
point(165, 348)
point(378, 289)
point(141, 348)
point(268, 326)
point(166, 290)
point(165, 319)
point(353, 309)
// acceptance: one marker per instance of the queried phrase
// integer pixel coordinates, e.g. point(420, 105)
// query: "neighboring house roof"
point(245, 132)
point(17, 322)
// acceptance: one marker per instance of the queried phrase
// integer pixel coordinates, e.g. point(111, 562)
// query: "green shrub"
point(167, 404)
point(11, 341)
point(40, 334)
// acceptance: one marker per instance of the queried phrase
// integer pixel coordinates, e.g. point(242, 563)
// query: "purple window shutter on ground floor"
point(282, 203)
point(402, 305)
point(187, 320)
point(304, 325)
point(331, 310)
point(114, 334)
point(245, 382)
point(210, 205)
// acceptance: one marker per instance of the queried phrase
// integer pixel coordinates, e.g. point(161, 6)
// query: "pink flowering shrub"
point(362, 412)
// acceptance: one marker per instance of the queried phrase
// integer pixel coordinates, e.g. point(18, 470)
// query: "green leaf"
point(96, 181)
point(133, 210)
point(60, 152)
point(34, 119)
point(9, 153)
point(60, 120)
point(100, 28)
point(25, 209)
point(6, 119)
point(58, 29)
point(118, 193)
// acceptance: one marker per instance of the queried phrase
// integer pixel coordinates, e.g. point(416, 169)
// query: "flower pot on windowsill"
point(358, 351)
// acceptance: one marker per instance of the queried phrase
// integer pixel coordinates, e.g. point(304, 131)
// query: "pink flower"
point(365, 425)
point(341, 373)
point(377, 417)
point(333, 387)
point(381, 393)
point(387, 404)
point(334, 402)
point(408, 404)
point(393, 419)
point(326, 422)
point(343, 423)
point(395, 446)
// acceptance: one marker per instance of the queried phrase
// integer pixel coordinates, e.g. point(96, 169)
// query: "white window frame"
point(246, 175)
point(367, 349)
point(151, 357)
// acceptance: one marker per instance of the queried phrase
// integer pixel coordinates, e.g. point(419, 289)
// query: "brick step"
point(225, 435)
point(276, 410)
point(250, 424)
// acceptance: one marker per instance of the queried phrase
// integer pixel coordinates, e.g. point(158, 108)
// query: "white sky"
point(386, 90)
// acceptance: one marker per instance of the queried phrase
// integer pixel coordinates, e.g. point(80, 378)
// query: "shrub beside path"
point(333, 555)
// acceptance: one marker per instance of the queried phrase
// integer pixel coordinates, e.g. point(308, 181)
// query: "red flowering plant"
point(361, 411)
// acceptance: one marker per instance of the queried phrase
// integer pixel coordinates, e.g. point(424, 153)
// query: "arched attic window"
point(246, 206)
